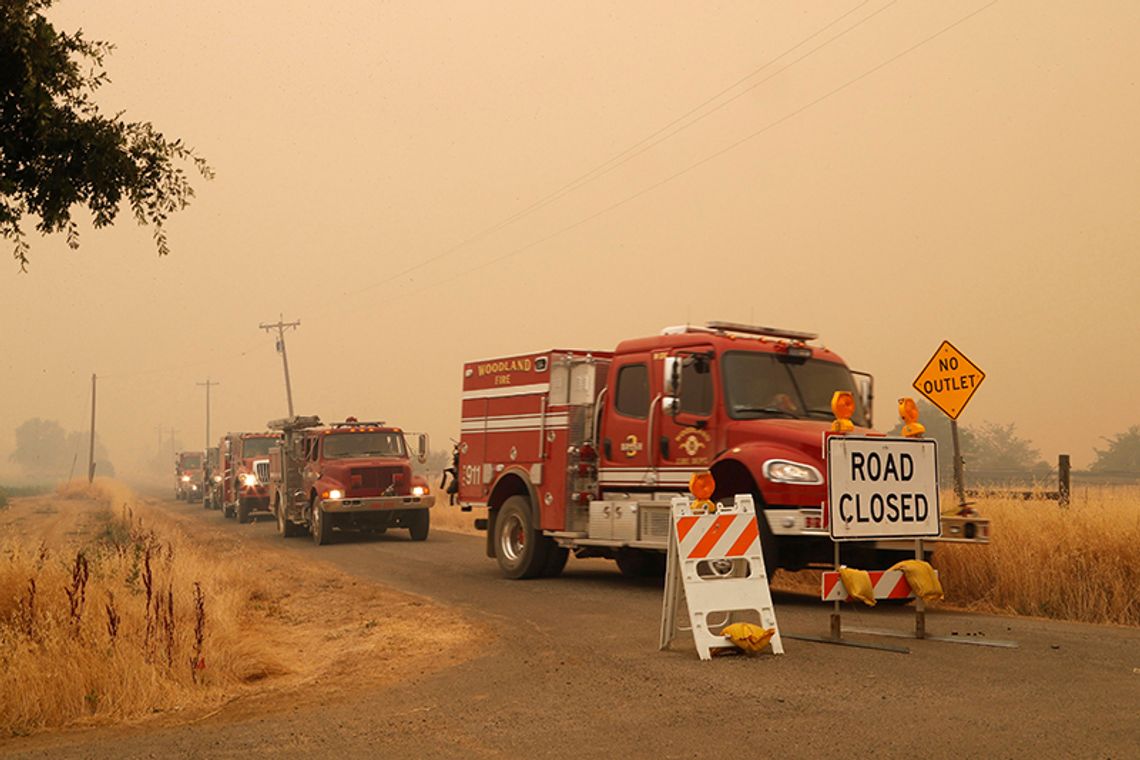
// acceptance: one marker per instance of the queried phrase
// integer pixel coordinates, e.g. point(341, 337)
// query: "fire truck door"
point(687, 437)
point(625, 428)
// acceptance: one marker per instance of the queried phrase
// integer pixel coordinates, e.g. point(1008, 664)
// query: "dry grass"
point(451, 519)
point(134, 622)
point(1076, 563)
point(140, 617)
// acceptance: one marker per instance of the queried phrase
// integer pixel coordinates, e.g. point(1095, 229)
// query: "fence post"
point(1063, 476)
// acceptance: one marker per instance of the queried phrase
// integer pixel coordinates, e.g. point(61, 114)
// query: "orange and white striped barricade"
point(715, 559)
point(887, 584)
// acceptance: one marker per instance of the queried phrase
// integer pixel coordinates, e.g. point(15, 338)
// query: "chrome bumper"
point(377, 503)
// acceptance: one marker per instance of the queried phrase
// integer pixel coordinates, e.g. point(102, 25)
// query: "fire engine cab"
point(582, 451)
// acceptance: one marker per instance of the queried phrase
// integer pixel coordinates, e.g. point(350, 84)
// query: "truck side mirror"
point(672, 380)
point(670, 405)
point(422, 447)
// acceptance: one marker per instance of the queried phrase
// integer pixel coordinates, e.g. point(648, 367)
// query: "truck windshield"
point(257, 447)
point(191, 461)
point(350, 445)
point(771, 385)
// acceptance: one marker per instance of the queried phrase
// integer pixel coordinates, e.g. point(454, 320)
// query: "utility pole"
point(207, 385)
point(91, 448)
point(280, 326)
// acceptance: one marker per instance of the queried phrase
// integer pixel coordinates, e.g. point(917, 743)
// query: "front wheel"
point(285, 526)
point(243, 511)
point(320, 525)
point(520, 549)
point(419, 524)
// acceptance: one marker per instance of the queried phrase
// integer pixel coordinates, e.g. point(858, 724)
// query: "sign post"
point(949, 381)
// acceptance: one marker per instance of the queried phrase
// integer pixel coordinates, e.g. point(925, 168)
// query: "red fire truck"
point(188, 475)
point(350, 474)
point(582, 451)
point(245, 476)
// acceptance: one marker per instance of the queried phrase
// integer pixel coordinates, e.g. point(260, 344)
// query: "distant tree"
point(41, 447)
point(1122, 454)
point(997, 448)
point(58, 151)
point(44, 449)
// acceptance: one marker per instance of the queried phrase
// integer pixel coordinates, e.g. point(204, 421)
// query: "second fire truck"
point(245, 476)
point(349, 475)
point(582, 451)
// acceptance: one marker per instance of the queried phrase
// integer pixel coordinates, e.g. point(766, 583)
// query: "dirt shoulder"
point(300, 627)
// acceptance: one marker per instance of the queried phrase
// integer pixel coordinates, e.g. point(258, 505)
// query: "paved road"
point(572, 670)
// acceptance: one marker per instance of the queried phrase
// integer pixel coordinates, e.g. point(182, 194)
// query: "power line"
point(701, 162)
point(639, 147)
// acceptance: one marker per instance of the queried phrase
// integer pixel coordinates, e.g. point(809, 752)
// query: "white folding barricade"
point(715, 558)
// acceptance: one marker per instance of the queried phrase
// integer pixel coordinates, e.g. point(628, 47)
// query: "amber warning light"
point(702, 485)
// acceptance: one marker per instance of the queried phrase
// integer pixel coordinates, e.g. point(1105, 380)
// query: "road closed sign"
point(882, 488)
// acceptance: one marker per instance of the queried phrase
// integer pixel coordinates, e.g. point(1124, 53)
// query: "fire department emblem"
point(692, 440)
point(630, 446)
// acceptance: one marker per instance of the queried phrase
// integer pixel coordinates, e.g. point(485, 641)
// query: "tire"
point(420, 524)
point(640, 563)
point(768, 546)
point(320, 526)
point(520, 549)
point(242, 511)
point(285, 527)
point(555, 561)
point(227, 511)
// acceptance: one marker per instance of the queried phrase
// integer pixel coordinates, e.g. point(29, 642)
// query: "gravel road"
point(571, 669)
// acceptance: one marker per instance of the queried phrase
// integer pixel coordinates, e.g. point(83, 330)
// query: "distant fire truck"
point(188, 475)
point(350, 474)
point(245, 475)
point(582, 450)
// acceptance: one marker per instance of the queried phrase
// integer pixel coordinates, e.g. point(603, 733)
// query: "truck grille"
point(261, 468)
point(373, 481)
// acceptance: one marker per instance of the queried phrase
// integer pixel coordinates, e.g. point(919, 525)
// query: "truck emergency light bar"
point(356, 423)
point(289, 424)
point(770, 332)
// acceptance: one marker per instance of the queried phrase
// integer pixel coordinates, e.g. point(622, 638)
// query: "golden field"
point(1080, 562)
point(113, 610)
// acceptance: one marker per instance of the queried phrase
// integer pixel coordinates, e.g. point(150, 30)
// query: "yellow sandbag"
point(923, 580)
point(858, 585)
point(747, 636)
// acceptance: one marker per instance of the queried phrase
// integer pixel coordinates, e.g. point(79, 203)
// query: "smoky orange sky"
point(888, 174)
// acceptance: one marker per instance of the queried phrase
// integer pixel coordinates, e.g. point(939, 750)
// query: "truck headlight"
point(419, 490)
point(185, 478)
point(248, 479)
point(784, 471)
point(335, 493)
point(217, 478)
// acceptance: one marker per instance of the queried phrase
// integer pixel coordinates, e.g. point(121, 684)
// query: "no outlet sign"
point(882, 488)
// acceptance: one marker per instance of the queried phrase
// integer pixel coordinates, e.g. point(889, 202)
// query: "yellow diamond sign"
point(949, 380)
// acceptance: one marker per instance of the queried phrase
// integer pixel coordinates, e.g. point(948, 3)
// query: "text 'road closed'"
point(882, 488)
